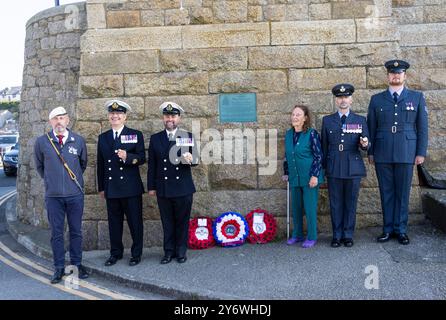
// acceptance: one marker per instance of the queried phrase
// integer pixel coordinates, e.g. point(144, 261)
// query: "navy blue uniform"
point(344, 168)
point(399, 133)
point(171, 177)
point(122, 186)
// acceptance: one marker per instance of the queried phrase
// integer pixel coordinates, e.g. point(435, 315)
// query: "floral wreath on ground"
point(230, 229)
point(200, 233)
point(262, 226)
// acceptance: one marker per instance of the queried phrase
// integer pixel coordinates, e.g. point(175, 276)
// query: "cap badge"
point(342, 89)
point(169, 107)
point(115, 106)
point(395, 64)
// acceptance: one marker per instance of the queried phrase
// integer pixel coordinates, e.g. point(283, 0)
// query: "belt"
point(395, 129)
point(343, 147)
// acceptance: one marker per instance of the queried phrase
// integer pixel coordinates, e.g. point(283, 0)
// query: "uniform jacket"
point(342, 156)
point(167, 173)
point(116, 178)
point(398, 132)
point(49, 166)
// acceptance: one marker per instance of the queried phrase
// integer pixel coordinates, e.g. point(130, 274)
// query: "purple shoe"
point(294, 240)
point(308, 243)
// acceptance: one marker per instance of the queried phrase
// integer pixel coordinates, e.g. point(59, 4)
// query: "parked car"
point(7, 141)
point(11, 161)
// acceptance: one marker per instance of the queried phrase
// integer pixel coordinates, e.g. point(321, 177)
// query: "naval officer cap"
point(397, 66)
point(343, 90)
point(171, 108)
point(59, 111)
point(117, 106)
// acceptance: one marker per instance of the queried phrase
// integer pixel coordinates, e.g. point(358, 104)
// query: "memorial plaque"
point(237, 107)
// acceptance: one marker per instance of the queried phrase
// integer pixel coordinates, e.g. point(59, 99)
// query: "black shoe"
point(166, 259)
point(335, 243)
point(112, 260)
point(403, 238)
point(182, 259)
point(384, 237)
point(348, 242)
point(58, 275)
point(134, 261)
point(82, 272)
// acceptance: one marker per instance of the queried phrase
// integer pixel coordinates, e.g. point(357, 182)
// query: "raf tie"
point(343, 119)
point(116, 136)
point(60, 137)
point(395, 97)
point(170, 136)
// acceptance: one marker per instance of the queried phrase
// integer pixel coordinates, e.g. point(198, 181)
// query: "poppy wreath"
point(261, 232)
point(200, 235)
point(230, 229)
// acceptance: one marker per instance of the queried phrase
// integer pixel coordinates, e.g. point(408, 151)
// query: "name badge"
point(352, 128)
point(184, 142)
point(72, 150)
point(131, 138)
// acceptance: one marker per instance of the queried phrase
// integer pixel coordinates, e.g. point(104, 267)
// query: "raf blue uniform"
point(122, 186)
point(344, 166)
point(171, 177)
point(399, 132)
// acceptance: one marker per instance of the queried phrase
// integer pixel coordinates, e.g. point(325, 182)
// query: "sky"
point(13, 17)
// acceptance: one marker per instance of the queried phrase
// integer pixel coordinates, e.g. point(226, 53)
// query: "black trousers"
point(175, 215)
point(132, 208)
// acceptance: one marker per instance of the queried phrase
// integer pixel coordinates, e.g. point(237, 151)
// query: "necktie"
point(116, 136)
point(395, 97)
point(60, 137)
point(170, 136)
point(343, 119)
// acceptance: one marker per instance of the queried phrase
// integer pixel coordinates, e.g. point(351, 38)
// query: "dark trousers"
point(394, 187)
point(343, 194)
point(56, 209)
point(175, 215)
point(132, 208)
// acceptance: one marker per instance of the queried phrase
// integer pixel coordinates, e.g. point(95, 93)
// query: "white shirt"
point(118, 131)
point(398, 92)
point(65, 136)
point(172, 132)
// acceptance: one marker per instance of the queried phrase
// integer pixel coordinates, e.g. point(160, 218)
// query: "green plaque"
point(237, 107)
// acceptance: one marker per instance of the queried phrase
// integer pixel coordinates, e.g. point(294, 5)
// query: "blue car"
point(11, 161)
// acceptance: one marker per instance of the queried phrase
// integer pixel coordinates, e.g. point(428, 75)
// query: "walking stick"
point(287, 210)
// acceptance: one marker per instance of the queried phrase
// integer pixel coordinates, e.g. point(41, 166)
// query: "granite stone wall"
point(190, 51)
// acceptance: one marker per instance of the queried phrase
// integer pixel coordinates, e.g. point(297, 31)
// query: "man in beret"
point(61, 159)
point(172, 153)
point(397, 120)
point(119, 155)
point(343, 135)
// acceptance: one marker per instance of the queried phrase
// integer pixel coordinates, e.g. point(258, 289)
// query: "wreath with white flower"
point(262, 226)
point(230, 229)
point(200, 233)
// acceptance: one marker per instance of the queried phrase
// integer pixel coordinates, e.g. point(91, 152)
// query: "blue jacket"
point(49, 166)
point(343, 162)
point(398, 132)
point(116, 178)
point(167, 174)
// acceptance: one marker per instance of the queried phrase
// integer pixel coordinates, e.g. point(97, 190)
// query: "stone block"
point(89, 235)
point(119, 62)
point(166, 84)
point(368, 54)
point(248, 81)
point(67, 40)
point(129, 39)
point(377, 78)
point(409, 15)
point(352, 9)
point(174, 17)
point(95, 208)
point(325, 79)
point(201, 15)
point(435, 14)
point(435, 99)
point(230, 11)
point(89, 177)
point(425, 56)
point(123, 19)
point(377, 29)
point(152, 18)
point(281, 57)
point(89, 130)
point(101, 86)
point(194, 106)
point(312, 32)
point(204, 59)
point(320, 11)
point(96, 16)
point(226, 35)
point(255, 14)
point(421, 35)
point(153, 234)
point(426, 78)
